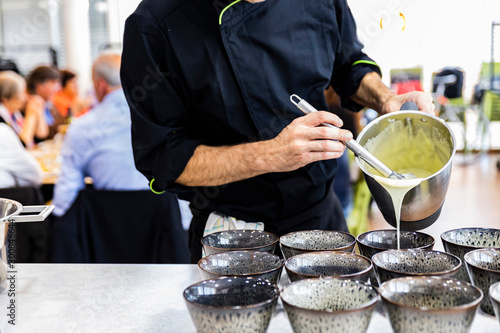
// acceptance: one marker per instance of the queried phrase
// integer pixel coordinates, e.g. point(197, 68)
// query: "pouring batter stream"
point(407, 149)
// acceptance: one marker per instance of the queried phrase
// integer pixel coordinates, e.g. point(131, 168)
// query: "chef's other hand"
point(305, 141)
point(423, 101)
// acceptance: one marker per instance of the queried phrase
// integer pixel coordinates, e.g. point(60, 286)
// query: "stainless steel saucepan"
point(422, 204)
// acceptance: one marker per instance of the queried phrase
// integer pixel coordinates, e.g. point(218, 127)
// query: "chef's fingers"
point(320, 117)
point(424, 103)
point(327, 155)
point(325, 132)
point(326, 146)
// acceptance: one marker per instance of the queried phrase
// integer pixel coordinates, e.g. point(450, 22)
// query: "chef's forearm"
point(302, 142)
point(212, 166)
point(372, 93)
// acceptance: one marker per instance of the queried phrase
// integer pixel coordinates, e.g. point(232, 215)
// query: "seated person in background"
point(13, 99)
point(43, 83)
point(17, 167)
point(66, 100)
point(99, 143)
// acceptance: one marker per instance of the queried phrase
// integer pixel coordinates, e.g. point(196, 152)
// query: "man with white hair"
point(98, 144)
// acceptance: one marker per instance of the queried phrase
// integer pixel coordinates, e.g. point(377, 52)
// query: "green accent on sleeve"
point(222, 13)
point(368, 62)
point(151, 187)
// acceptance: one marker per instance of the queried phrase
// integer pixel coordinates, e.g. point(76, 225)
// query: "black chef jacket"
point(213, 73)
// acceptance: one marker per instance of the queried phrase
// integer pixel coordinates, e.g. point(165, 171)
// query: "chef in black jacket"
point(208, 84)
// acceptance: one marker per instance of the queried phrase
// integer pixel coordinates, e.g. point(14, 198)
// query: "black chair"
point(448, 82)
point(31, 237)
point(120, 227)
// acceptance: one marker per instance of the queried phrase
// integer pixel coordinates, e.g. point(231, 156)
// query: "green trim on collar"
point(151, 187)
point(368, 62)
point(227, 7)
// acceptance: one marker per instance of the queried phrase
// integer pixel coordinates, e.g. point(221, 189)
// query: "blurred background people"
point(99, 144)
point(43, 83)
point(17, 167)
point(13, 100)
point(67, 100)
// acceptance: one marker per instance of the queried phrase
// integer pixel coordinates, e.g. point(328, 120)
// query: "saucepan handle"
point(35, 214)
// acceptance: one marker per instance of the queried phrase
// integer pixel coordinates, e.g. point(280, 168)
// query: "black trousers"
point(325, 215)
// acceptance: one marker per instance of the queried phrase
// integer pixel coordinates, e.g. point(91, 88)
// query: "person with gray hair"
point(99, 144)
point(106, 74)
point(13, 98)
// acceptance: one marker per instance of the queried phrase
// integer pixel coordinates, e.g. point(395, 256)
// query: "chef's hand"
point(305, 141)
point(423, 101)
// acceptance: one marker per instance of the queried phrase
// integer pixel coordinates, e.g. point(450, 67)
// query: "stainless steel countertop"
point(125, 298)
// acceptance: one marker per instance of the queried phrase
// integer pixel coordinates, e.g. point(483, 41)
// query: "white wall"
point(28, 31)
point(438, 33)
point(119, 10)
point(116, 12)
point(76, 34)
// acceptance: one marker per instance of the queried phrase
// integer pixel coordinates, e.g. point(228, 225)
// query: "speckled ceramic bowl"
point(343, 265)
point(483, 266)
point(461, 241)
point(316, 240)
point(234, 304)
point(393, 264)
point(329, 305)
point(495, 298)
point(243, 264)
point(239, 240)
point(430, 304)
point(375, 241)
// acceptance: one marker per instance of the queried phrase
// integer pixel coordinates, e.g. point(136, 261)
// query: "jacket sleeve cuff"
point(171, 162)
